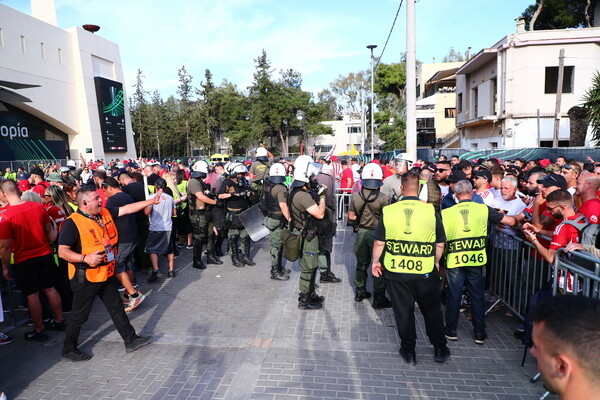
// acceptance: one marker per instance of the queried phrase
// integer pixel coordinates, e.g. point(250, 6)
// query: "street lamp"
point(371, 47)
point(300, 116)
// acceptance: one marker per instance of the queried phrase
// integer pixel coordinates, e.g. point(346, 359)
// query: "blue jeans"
point(474, 277)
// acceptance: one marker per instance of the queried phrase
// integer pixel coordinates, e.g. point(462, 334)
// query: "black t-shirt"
point(136, 191)
point(126, 224)
point(440, 237)
point(69, 235)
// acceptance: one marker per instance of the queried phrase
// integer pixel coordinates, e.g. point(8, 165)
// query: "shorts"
point(159, 242)
point(35, 274)
point(124, 260)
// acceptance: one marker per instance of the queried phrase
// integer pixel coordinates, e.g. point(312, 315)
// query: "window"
point(548, 143)
point(474, 94)
point(459, 103)
point(425, 123)
point(474, 145)
point(23, 45)
point(43, 49)
point(426, 107)
point(450, 113)
point(551, 79)
point(1, 38)
point(494, 94)
point(494, 145)
point(60, 56)
point(418, 91)
point(354, 129)
point(323, 149)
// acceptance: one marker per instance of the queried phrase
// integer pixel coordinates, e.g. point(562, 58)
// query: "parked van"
point(215, 158)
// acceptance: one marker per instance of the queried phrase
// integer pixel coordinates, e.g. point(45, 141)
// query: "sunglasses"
point(567, 166)
point(47, 195)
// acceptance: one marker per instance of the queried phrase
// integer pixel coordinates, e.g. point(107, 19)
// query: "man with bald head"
point(587, 188)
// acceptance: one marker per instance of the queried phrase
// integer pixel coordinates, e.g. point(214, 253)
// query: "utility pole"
point(559, 89)
point(363, 125)
point(411, 81)
point(371, 47)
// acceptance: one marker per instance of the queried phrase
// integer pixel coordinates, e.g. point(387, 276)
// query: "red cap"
point(375, 161)
point(24, 185)
point(334, 158)
point(545, 162)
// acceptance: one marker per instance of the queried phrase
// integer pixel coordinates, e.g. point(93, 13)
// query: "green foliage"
point(591, 106)
point(561, 14)
point(390, 79)
point(265, 115)
point(347, 91)
point(393, 134)
point(454, 56)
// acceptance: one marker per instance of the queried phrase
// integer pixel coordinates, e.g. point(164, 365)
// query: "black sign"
point(111, 108)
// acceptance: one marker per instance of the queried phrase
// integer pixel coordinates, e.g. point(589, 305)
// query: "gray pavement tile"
point(229, 333)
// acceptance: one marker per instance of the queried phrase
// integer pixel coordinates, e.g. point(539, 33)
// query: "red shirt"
point(387, 171)
point(56, 213)
point(564, 234)
point(591, 210)
point(347, 174)
point(24, 224)
point(40, 188)
point(103, 196)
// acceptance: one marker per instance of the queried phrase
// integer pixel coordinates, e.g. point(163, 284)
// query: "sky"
point(322, 39)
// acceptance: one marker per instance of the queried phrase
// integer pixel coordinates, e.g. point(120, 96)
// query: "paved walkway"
point(229, 333)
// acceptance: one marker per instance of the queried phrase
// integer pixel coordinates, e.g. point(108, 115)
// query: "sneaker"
point(56, 326)
point(171, 273)
point(441, 354)
point(480, 338)
point(125, 298)
point(134, 301)
point(180, 245)
point(75, 355)
point(45, 321)
point(450, 335)
point(139, 341)
point(121, 289)
point(21, 307)
point(37, 336)
point(153, 276)
point(5, 339)
point(189, 246)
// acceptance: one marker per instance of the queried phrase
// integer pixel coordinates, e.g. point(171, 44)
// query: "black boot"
point(314, 297)
point(198, 264)
point(380, 301)
point(280, 268)
point(218, 250)
point(329, 277)
point(235, 252)
point(210, 255)
point(278, 275)
point(361, 294)
point(305, 303)
point(246, 257)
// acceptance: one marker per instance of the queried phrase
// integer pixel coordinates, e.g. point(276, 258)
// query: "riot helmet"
point(372, 176)
point(277, 173)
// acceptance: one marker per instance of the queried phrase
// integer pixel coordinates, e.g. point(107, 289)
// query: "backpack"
point(588, 234)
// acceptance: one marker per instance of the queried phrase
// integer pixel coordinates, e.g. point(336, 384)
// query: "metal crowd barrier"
point(583, 268)
point(342, 199)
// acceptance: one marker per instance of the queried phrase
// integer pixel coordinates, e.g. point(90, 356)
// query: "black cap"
point(553, 180)
point(160, 183)
point(37, 171)
point(456, 176)
point(484, 173)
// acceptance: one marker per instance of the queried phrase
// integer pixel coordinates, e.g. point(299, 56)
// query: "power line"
point(389, 35)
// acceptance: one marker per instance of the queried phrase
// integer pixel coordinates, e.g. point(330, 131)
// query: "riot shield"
point(253, 219)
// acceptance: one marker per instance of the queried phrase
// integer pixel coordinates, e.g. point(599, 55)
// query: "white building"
point(71, 77)
point(506, 94)
point(346, 133)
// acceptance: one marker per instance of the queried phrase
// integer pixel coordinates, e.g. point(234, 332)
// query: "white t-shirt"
point(512, 207)
point(160, 217)
point(487, 196)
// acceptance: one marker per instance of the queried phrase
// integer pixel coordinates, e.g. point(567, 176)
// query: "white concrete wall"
point(67, 96)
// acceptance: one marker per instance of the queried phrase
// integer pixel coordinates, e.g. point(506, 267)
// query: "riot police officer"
point(237, 193)
point(307, 208)
point(259, 170)
point(277, 218)
point(201, 201)
point(365, 210)
point(391, 186)
point(326, 234)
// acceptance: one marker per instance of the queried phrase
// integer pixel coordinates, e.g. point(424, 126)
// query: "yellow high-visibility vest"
point(466, 234)
point(410, 227)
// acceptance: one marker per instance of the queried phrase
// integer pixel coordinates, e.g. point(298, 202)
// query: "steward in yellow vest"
point(409, 240)
point(466, 224)
point(87, 242)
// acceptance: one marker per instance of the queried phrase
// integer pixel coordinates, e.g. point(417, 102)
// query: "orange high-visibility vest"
point(94, 237)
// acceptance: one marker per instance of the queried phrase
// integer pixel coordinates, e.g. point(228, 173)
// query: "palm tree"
point(592, 107)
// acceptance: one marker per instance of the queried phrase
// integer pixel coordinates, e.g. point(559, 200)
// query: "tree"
point(347, 90)
point(184, 90)
point(139, 111)
point(454, 56)
point(560, 14)
point(591, 106)
point(206, 113)
point(393, 134)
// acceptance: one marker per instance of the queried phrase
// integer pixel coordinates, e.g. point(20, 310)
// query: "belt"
point(275, 216)
point(369, 228)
